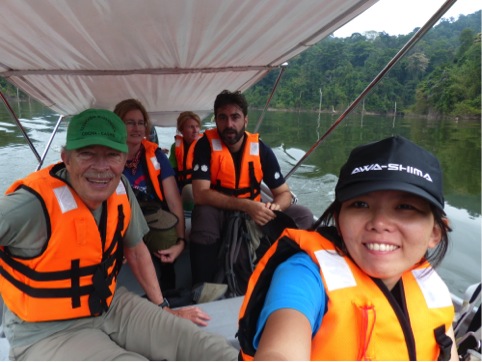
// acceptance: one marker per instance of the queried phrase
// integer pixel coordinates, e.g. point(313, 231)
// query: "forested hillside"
point(440, 76)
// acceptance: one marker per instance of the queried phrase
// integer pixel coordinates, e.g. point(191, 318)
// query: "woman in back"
point(362, 286)
point(182, 151)
point(152, 178)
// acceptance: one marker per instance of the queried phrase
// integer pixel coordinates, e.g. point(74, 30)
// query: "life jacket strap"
point(444, 342)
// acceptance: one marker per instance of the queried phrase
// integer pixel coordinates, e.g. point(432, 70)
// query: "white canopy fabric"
point(173, 55)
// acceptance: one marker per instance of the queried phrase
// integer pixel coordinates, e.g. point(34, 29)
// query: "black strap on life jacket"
point(101, 279)
point(254, 188)
point(444, 342)
point(254, 184)
point(247, 324)
point(119, 254)
point(253, 192)
point(183, 176)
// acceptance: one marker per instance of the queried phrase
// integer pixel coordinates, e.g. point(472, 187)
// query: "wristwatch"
point(164, 304)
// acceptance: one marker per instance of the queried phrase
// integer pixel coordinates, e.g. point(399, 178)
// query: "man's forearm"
point(283, 200)
point(139, 259)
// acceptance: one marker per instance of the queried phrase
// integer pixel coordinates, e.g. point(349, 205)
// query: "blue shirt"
point(297, 285)
point(138, 180)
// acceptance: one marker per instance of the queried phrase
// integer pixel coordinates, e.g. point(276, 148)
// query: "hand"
point(273, 206)
point(262, 213)
point(170, 255)
point(194, 314)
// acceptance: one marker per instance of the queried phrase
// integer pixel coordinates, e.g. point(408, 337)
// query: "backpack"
point(243, 243)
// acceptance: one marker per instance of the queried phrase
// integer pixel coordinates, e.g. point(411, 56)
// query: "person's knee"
point(301, 215)
point(206, 224)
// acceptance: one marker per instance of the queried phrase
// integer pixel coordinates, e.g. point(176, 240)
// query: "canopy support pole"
point(416, 37)
point(19, 125)
point(47, 147)
point(275, 86)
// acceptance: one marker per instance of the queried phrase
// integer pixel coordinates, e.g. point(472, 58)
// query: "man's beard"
point(229, 139)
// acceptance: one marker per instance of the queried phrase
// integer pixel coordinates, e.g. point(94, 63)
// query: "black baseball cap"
point(394, 163)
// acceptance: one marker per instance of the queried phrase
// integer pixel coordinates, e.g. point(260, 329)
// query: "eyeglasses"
point(134, 123)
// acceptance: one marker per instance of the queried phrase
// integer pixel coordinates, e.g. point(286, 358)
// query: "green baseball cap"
point(96, 127)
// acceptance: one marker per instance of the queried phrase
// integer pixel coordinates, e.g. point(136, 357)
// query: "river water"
point(291, 134)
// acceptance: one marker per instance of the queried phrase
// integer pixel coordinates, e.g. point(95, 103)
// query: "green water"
point(456, 144)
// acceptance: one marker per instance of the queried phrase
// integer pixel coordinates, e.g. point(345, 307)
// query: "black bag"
point(243, 243)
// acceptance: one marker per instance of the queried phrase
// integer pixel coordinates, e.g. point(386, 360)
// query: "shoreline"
point(473, 117)
point(431, 116)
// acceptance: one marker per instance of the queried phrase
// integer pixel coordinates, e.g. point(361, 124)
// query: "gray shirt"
point(23, 229)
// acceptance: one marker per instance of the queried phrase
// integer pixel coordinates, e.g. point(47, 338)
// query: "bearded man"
point(229, 166)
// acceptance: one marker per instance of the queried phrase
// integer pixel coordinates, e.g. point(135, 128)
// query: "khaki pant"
point(132, 329)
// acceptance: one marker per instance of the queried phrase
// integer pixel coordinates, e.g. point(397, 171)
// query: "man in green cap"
point(64, 233)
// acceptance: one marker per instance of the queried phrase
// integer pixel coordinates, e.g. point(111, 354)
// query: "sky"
point(401, 17)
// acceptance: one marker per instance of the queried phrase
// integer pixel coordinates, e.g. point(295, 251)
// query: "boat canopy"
point(173, 55)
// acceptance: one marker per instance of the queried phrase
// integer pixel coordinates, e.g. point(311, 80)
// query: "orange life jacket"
point(224, 177)
point(75, 274)
point(184, 166)
point(153, 167)
point(360, 322)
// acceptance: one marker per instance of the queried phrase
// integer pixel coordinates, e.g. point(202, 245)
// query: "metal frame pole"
point(47, 147)
point(14, 116)
point(260, 120)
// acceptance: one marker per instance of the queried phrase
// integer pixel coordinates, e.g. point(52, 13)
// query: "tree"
point(439, 76)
